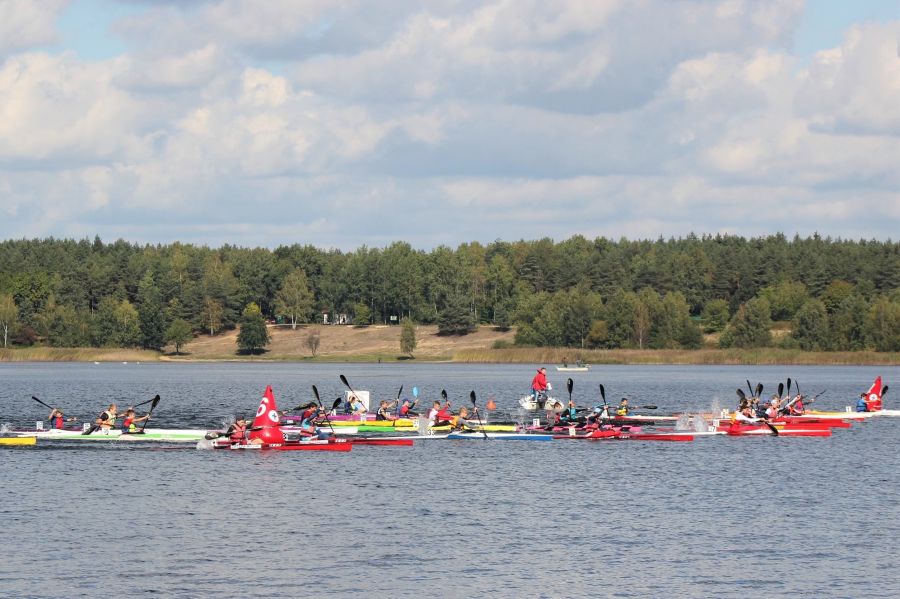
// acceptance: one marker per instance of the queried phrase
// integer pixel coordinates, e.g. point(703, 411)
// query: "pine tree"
point(253, 336)
point(407, 337)
point(150, 314)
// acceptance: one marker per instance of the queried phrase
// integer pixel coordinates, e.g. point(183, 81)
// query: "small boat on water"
point(578, 366)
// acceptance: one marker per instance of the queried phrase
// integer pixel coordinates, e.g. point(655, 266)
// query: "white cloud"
point(27, 23)
point(456, 121)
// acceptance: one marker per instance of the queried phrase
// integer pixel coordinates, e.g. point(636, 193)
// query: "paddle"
point(789, 387)
point(344, 380)
point(884, 391)
point(749, 387)
point(759, 390)
point(780, 390)
point(319, 401)
point(475, 409)
point(569, 385)
point(155, 401)
point(216, 435)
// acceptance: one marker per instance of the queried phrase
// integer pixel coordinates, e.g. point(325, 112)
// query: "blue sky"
point(343, 123)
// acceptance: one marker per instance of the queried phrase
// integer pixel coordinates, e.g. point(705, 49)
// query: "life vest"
point(58, 421)
point(237, 432)
point(622, 411)
point(128, 425)
point(109, 421)
point(862, 405)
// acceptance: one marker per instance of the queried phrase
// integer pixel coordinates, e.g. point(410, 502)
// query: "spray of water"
point(5, 428)
point(683, 423)
point(715, 408)
point(700, 424)
point(204, 444)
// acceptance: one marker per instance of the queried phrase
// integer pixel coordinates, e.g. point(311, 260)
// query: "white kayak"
point(169, 435)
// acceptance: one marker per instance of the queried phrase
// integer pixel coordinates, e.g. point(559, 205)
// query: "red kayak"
point(288, 446)
point(809, 422)
point(370, 441)
point(627, 435)
point(786, 431)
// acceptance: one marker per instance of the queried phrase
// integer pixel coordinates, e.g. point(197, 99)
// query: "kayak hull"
point(502, 436)
point(150, 434)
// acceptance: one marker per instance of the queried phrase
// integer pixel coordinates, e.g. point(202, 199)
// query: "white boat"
point(169, 435)
point(574, 368)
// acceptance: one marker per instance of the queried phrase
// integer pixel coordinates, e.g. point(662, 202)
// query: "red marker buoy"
point(267, 420)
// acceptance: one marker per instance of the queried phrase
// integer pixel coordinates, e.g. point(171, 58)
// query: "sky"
point(342, 123)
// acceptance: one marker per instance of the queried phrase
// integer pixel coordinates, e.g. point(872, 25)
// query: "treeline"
point(837, 294)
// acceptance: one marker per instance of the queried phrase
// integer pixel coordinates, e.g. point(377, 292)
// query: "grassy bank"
point(77, 354)
point(544, 355)
point(507, 355)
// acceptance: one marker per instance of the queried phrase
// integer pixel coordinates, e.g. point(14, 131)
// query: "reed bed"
point(740, 357)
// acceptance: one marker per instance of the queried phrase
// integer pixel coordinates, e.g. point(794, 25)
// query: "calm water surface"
point(757, 517)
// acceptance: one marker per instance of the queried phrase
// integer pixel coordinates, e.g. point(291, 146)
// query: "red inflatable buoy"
point(267, 420)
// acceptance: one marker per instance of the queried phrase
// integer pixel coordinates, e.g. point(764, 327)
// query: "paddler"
point(129, 420)
point(308, 421)
point(861, 404)
point(445, 413)
point(622, 410)
point(458, 422)
point(105, 421)
point(405, 410)
point(570, 414)
point(745, 414)
point(58, 419)
point(237, 432)
point(772, 410)
point(795, 407)
point(383, 412)
point(357, 407)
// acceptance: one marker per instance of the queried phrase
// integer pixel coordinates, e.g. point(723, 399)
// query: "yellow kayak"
point(400, 422)
point(18, 440)
point(505, 428)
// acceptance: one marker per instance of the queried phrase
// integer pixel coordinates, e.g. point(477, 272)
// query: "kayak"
point(762, 429)
point(150, 434)
point(574, 430)
point(10, 441)
point(288, 446)
point(502, 436)
point(496, 428)
point(629, 436)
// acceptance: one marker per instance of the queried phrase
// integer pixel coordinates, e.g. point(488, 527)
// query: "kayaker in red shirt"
point(58, 419)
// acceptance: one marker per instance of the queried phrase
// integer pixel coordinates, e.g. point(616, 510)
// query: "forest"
point(825, 294)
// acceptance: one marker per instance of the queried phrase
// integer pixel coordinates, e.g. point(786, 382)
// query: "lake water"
point(723, 517)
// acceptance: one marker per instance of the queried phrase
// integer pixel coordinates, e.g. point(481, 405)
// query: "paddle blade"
point(741, 395)
point(399, 391)
point(336, 403)
point(789, 386)
point(650, 407)
point(416, 392)
point(749, 387)
point(780, 389)
point(884, 390)
point(472, 397)
point(346, 384)
point(316, 393)
point(444, 394)
point(569, 385)
point(602, 392)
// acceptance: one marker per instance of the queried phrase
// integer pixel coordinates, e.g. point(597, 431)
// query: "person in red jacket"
point(539, 383)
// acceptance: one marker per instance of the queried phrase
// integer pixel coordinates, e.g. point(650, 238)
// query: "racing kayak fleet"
point(318, 429)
